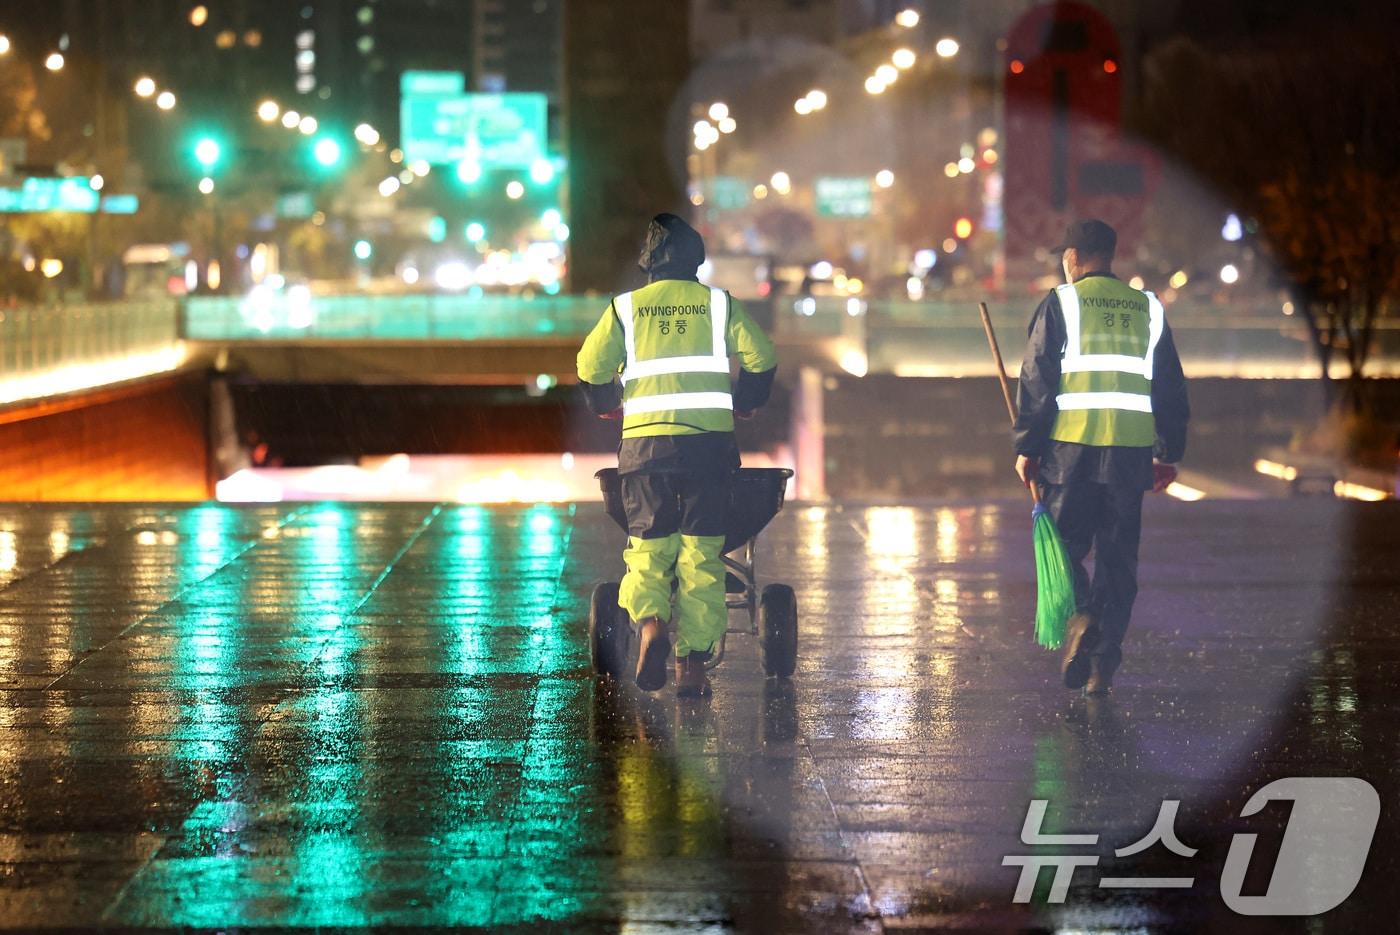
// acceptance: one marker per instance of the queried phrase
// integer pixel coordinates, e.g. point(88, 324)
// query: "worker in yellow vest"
point(670, 342)
point(1103, 416)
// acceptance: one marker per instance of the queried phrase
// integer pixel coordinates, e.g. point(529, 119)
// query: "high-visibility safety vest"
point(1111, 335)
point(676, 369)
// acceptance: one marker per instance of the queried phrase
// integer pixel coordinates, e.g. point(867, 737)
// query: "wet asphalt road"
point(350, 717)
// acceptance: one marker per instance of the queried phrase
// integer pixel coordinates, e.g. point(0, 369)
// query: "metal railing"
point(45, 351)
point(301, 316)
point(946, 338)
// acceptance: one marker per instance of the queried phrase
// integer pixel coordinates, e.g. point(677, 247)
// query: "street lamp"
point(206, 186)
point(327, 152)
point(166, 101)
point(719, 110)
point(904, 58)
point(907, 18)
point(884, 178)
point(269, 111)
point(145, 86)
point(946, 47)
point(4, 44)
point(207, 152)
point(54, 62)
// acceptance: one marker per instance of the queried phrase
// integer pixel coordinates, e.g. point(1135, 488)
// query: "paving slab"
point(344, 717)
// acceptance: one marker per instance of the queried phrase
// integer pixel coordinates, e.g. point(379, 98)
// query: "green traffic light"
point(207, 152)
point(542, 171)
point(327, 152)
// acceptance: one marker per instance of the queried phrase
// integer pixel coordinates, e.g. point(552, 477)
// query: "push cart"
point(756, 497)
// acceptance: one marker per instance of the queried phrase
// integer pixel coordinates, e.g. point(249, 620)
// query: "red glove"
point(612, 416)
point(1162, 476)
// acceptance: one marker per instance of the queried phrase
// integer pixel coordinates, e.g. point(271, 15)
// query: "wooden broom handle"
point(1001, 366)
point(1001, 376)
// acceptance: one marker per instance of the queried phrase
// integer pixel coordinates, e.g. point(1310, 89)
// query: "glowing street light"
point(367, 135)
point(308, 125)
point(719, 110)
point(817, 98)
point(951, 170)
point(469, 171)
point(884, 178)
point(907, 18)
point(4, 44)
point(727, 125)
point(269, 111)
point(541, 171)
point(1229, 274)
point(389, 186)
point(781, 182)
point(326, 151)
point(145, 86)
point(515, 190)
point(946, 47)
point(207, 152)
point(199, 16)
point(291, 119)
point(166, 100)
point(873, 85)
point(904, 58)
point(887, 74)
point(54, 62)
point(96, 182)
point(206, 186)
point(966, 164)
point(802, 106)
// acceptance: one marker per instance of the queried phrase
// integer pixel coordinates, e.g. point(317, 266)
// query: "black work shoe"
point(691, 681)
point(1082, 633)
point(655, 650)
point(1100, 680)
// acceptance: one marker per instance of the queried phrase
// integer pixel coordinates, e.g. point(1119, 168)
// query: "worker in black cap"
point(1102, 419)
point(671, 341)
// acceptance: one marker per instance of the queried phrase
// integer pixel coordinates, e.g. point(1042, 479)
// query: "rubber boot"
point(691, 680)
point(1082, 634)
point(655, 649)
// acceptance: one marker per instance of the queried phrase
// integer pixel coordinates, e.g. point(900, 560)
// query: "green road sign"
point(492, 131)
point(296, 205)
point(728, 193)
point(843, 197)
point(430, 83)
point(120, 204)
point(44, 194)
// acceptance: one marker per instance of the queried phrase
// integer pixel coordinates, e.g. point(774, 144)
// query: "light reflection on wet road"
point(339, 716)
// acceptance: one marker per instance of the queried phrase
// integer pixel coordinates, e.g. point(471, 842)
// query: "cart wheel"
point(608, 631)
point(777, 623)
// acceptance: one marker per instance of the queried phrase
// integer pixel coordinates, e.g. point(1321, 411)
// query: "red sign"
point(1064, 154)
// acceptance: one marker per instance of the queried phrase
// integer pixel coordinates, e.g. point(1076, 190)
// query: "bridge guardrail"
point(46, 351)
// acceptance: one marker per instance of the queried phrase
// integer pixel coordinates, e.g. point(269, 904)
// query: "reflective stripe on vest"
point(1076, 361)
point(716, 362)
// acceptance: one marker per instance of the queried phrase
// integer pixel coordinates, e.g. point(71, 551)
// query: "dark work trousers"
point(1108, 519)
point(663, 504)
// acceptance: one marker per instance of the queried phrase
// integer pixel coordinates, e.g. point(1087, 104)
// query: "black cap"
point(1093, 237)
